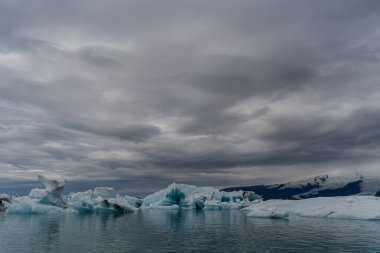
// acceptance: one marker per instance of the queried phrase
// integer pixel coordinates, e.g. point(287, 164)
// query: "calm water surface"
point(184, 231)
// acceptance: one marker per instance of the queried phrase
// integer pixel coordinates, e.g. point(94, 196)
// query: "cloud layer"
point(217, 93)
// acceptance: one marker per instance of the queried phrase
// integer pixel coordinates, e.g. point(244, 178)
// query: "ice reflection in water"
point(183, 231)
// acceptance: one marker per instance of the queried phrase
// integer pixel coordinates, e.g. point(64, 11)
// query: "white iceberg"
point(190, 196)
point(350, 207)
point(102, 199)
point(52, 194)
point(46, 200)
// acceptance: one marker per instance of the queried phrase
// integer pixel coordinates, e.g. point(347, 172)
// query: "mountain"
point(320, 186)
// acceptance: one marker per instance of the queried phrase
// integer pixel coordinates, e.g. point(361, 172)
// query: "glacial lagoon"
point(183, 230)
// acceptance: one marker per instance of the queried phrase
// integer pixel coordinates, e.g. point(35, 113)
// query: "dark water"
point(184, 231)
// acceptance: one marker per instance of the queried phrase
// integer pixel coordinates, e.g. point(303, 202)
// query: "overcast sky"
point(217, 93)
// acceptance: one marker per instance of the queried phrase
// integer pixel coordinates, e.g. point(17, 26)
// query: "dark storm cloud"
point(149, 92)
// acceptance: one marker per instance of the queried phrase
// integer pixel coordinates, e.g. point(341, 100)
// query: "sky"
point(139, 94)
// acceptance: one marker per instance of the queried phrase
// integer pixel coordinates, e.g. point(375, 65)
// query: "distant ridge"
point(320, 186)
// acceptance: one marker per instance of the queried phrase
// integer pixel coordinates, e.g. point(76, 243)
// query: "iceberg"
point(190, 196)
point(101, 200)
point(52, 194)
point(349, 207)
point(51, 199)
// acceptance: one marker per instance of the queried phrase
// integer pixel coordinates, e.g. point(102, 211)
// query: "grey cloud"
point(103, 56)
point(359, 129)
point(153, 92)
point(244, 76)
point(131, 132)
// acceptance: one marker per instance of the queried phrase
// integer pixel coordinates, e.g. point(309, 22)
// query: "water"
point(184, 231)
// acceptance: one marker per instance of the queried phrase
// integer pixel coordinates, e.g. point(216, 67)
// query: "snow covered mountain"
point(320, 186)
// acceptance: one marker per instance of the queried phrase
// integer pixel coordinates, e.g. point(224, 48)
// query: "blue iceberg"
point(190, 196)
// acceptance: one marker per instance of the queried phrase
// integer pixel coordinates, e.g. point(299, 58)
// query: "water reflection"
point(183, 231)
point(46, 232)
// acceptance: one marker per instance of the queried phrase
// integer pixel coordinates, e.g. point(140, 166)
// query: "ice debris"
point(190, 196)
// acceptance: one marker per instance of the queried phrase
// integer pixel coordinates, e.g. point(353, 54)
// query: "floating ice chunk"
point(190, 196)
point(173, 207)
point(101, 199)
point(212, 205)
point(54, 189)
point(51, 199)
point(199, 200)
point(25, 205)
point(38, 194)
point(52, 184)
point(132, 201)
point(351, 207)
point(81, 201)
point(45, 200)
point(268, 213)
point(39, 200)
point(104, 192)
point(173, 195)
point(280, 214)
point(233, 205)
point(121, 204)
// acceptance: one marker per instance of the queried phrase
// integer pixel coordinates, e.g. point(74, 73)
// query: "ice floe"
point(350, 207)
